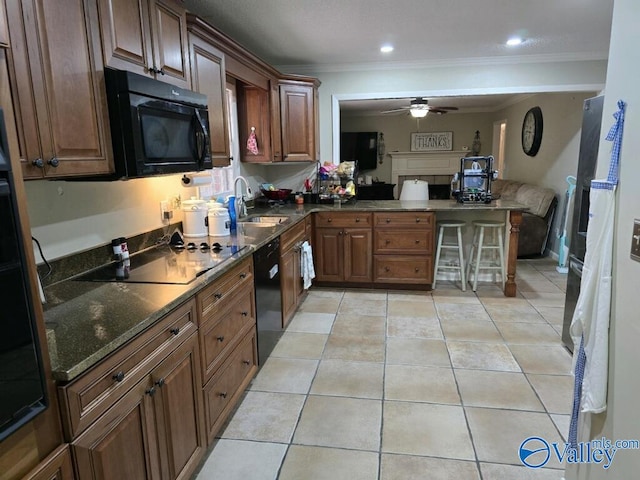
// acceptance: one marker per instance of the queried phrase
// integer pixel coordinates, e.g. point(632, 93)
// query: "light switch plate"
point(635, 241)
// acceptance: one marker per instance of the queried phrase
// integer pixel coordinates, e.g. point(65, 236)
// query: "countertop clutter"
point(87, 320)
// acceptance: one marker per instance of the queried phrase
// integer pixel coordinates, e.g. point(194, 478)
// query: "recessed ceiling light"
point(386, 49)
point(514, 41)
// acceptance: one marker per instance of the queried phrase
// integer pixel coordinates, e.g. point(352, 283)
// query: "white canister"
point(218, 219)
point(195, 218)
point(415, 190)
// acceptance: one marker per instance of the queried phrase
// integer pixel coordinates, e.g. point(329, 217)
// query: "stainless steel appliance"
point(22, 382)
point(268, 299)
point(156, 128)
point(587, 160)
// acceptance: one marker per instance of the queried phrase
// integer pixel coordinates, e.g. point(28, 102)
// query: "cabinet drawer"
point(224, 389)
point(291, 236)
point(403, 219)
point(89, 396)
point(343, 219)
point(402, 241)
point(402, 269)
point(216, 294)
point(220, 336)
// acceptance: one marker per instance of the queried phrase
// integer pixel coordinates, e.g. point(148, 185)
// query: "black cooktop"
point(165, 264)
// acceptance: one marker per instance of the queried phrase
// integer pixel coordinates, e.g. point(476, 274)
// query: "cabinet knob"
point(220, 338)
point(417, 242)
point(118, 377)
point(388, 220)
point(243, 275)
point(244, 314)
point(223, 394)
point(417, 220)
point(153, 70)
point(151, 391)
point(175, 330)
point(160, 383)
point(54, 162)
point(38, 163)
point(246, 362)
point(217, 296)
point(161, 71)
point(387, 269)
point(417, 269)
point(387, 241)
point(357, 219)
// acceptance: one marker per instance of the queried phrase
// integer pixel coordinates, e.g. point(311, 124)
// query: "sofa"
point(536, 222)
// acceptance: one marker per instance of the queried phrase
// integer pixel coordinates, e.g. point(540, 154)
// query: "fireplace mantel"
point(416, 164)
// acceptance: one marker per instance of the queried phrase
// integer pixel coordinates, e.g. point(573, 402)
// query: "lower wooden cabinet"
point(57, 466)
point(291, 283)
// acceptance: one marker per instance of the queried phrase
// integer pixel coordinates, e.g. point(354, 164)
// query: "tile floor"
point(390, 385)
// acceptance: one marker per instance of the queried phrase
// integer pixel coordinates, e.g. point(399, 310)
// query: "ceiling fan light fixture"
point(417, 112)
point(386, 48)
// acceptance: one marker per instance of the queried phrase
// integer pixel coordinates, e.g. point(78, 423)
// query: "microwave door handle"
point(202, 137)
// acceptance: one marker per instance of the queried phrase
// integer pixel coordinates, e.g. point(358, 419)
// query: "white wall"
point(621, 420)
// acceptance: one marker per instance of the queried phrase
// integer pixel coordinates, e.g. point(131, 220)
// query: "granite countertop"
point(86, 321)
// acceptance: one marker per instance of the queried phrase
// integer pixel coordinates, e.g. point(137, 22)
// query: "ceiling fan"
point(419, 107)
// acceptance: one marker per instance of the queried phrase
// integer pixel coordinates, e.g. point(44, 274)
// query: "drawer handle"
point(246, 362)
point(244, 314)
point(417, 220)
point(160, 383)
point(220, 338)
point(151, 391)
point(417, 269)
point(417, 242)
point(243, 275)
point(175, 330)
point(357, 220)
point(387, 269)
point(222, 394)
point(217, 296)
point(387, 241)
point(329, 220)
point(118, 377)
point(388, 220)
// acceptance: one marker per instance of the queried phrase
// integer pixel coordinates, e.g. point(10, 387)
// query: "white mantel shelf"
point(424, 163)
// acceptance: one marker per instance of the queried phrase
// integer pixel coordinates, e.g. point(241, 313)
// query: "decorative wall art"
point(431, 141)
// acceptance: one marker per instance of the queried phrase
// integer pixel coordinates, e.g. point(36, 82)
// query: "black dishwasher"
point(268, 299)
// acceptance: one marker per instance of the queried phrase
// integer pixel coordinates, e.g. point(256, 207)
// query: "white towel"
point(307, 272)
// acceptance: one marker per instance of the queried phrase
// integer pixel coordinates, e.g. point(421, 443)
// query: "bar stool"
point(442, 225)
point(479, 245)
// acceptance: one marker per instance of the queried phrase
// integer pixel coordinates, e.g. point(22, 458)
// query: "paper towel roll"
point(196, 179)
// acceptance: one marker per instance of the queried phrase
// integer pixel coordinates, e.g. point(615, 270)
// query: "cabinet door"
point(297, 123)
point(179, 411)
point(357, 255)
point(208, 77)
point(289, 276)
point(60, 107)
point(57, 466)
point(126, 42)
point(328, 250)
point(169, 40)
point(253, 112)
point(123, 442)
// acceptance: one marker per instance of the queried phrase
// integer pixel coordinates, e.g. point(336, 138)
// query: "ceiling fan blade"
point(396, 110)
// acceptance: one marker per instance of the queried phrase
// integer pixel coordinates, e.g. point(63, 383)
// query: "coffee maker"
point(474, 180)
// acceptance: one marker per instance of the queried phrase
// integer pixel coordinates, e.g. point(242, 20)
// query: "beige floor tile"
point(366, 307)
point(285, 375)
point(514, 313)
point(308, 322)
point(325, 292)
point(499, 300)
point(355, 348)
point(456, 311)
point(413, 295)
point(497, 434)
point(553, 315)
point(562, 423)
point(489, 292)
point(300, 345)
point(544, 299)
point(529, 333)
point(349, 379)
point(449, 296)
point(320, 304)
point(417, 351)
point(480, 388)
point(411, 308)
point(543, 285)
point(265, 417)
point(240, 460)
point(462, 329)
point(321, 463)
point(419, 326)
point(543, 359)
point(420, 384)
point(426, 429)
point(482, 356)
point(362, 295)
point(340, 422)
point(409, 467)
point(494, 471)
point(555, 391)
point(349, 324)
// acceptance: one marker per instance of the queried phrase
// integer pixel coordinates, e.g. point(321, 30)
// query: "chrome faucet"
point(241, 206)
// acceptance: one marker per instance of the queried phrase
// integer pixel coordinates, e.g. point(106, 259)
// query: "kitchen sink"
point(265, 220)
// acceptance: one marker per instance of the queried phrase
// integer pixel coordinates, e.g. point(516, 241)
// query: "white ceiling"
point(336, 35)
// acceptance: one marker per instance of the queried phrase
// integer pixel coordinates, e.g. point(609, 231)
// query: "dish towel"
point(307, 272)
point(252, 142)
point(590, 323)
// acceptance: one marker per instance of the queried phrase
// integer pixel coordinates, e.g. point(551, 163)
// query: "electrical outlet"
point(635, 241)
point(166, 213)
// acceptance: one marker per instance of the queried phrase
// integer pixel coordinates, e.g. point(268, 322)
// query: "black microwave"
point(156, 128)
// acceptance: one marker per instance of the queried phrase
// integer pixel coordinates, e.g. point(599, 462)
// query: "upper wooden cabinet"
point(58, 92)
point(254, 116)
point(4, 31)
point(148, 37)
point(208, 76)
point(299, 120)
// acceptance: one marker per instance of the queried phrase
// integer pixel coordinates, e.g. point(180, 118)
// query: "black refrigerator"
point(587, 160)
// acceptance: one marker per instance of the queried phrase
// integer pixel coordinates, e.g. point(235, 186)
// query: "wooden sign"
point(431, 141)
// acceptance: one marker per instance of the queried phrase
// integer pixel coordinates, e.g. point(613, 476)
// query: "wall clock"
point(532, 131)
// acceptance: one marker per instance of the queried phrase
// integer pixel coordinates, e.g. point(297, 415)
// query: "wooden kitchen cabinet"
point(299, 121)
point(208, 76)
point(291, 283)
point(147, 37)
point(403, 247)
point(58, 92)
point(343, 247)
point(155, 430)
point(254, 115)
point(57, 466)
